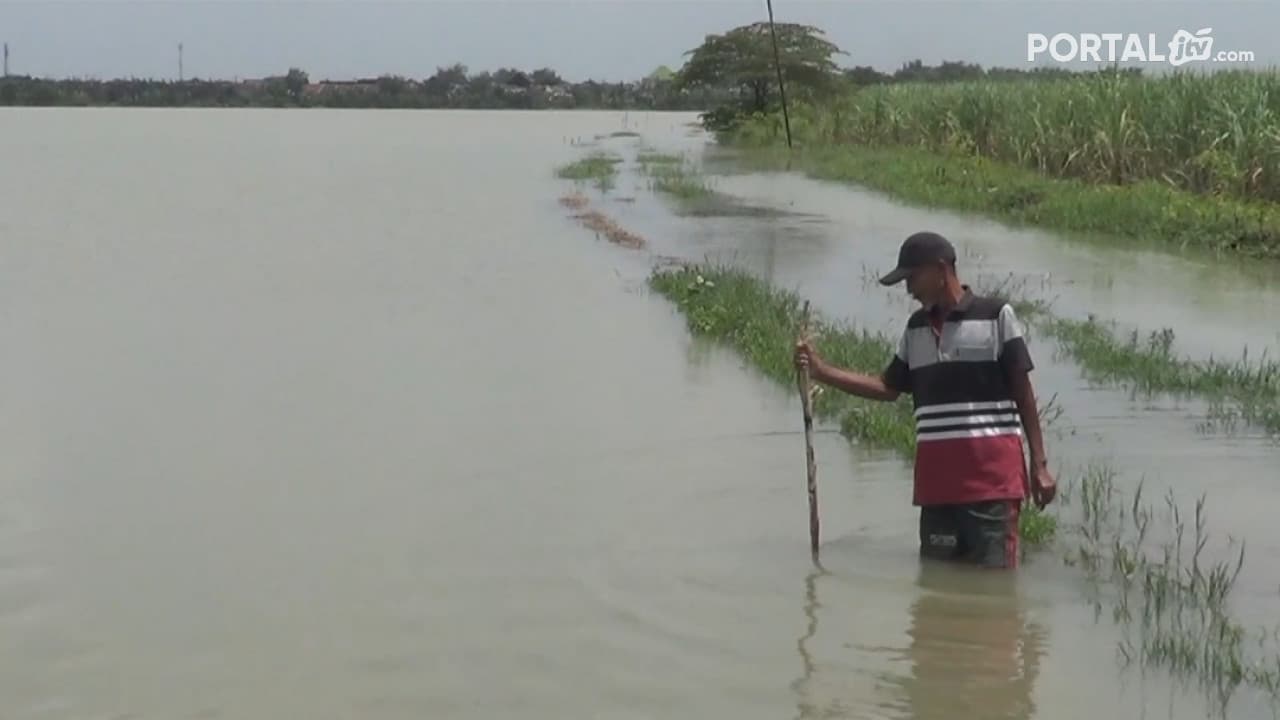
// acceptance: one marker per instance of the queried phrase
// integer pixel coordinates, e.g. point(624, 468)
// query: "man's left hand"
point(1043, 486)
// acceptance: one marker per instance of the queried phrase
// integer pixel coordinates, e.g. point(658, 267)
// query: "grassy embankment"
point(1180, 162)
point(1174, 605)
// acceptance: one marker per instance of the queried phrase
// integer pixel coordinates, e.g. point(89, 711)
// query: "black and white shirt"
point(958, 370)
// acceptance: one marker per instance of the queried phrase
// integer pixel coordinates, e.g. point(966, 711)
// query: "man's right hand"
point(806, 358)
point(854, 383)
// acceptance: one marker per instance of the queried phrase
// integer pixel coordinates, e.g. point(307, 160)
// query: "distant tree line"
point(449, 87)
point(740, 75)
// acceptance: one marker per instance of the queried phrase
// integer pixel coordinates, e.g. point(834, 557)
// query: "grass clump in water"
point(1037, 527)
point(679, 181)
point(762, 322)
point(648, 158)
point(1150, 365)
point(597, 166)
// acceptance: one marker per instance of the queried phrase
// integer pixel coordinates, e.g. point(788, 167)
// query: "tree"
point(447, 81)
point(661, 74)
point(865, 75)
point(295, 81)
point(743, 60)
point(546, 77)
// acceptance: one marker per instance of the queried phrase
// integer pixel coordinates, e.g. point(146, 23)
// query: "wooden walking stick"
point(806, 401)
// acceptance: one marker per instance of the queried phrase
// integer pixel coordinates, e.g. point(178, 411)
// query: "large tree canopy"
point(743, 59)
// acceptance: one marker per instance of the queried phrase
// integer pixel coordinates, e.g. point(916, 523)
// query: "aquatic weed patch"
point(596, 166)
point(1243, 389)
point(647, 158)
point(679, 181)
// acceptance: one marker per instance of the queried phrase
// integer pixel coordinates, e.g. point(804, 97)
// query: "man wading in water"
point(963, 359)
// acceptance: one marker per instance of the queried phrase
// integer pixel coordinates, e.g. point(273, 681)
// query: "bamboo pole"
point(806, 402)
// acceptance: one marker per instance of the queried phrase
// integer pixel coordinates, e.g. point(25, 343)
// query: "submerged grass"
point(647, 158)
point(680, 181)
point(761, 323)
point(595, 166)
point(1149, 365)
point(1171, 598)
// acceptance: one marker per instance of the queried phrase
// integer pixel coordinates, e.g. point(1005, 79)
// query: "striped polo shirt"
point(968, 431)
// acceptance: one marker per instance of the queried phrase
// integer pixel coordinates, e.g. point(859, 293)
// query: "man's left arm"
point(1017, 364)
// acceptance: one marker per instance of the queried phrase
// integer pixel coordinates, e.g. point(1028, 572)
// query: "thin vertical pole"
point(777, 63)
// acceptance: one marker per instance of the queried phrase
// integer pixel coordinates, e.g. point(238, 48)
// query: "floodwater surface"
point(338, 414)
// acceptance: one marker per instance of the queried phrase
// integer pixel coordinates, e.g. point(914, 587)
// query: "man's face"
point(925, 283)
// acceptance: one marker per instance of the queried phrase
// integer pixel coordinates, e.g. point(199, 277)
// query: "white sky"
point(601, 39)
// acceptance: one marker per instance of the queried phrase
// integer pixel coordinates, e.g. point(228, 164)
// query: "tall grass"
point(1208, 133)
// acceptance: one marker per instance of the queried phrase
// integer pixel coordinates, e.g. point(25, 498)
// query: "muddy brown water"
point(338, 414)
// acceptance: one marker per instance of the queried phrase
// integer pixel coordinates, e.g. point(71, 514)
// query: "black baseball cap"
point(922, 248)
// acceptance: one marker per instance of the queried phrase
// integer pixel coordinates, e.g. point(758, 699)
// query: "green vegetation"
point(1183, 161)
point(742, 62)
point(1150, 365)
point(597, 166)
point(1147, 213)
point(1167, 591)
point(761, 323)
point(648, 158)
point(680, 181)
point(1210, 134)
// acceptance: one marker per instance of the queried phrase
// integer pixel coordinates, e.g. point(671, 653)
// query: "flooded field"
point(341, 414)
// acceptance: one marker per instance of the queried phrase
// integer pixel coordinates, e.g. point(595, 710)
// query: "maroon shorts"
point(981, 533)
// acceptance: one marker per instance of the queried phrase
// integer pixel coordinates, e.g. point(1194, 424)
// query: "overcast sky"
point(601, 39)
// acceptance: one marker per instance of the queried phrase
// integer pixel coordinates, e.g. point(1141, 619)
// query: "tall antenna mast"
point(180, 75)
point(6, 59)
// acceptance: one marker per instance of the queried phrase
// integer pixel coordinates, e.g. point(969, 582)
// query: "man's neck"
point(954, 293)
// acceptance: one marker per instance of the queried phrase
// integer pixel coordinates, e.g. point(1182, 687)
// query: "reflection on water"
point(805, 709)
point(969, 650)
point(972, 651)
